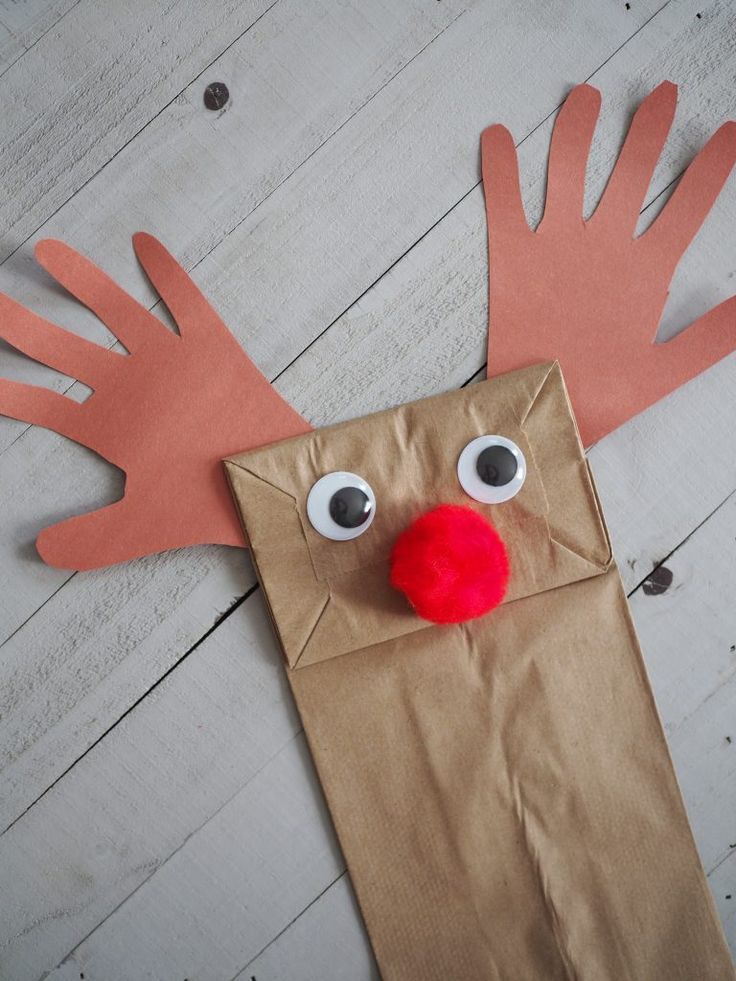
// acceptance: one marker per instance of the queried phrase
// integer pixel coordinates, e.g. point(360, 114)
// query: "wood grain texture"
point(329, 933)
point(178, 176)
point(689, 635)
point(97, 81)
point(23, 24)
point(131, 803)
point(189, 839)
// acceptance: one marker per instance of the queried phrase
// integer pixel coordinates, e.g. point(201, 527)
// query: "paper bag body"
point(502, 789)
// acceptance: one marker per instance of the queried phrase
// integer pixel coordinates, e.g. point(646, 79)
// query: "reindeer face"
point(330, 515)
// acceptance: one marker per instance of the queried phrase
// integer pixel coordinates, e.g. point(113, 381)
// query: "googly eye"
point(341, 506)
point(491, 469)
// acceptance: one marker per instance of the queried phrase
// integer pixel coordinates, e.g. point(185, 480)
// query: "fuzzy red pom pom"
point(452, 565)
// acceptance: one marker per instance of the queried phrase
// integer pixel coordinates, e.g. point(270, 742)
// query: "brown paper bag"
point(501, 788)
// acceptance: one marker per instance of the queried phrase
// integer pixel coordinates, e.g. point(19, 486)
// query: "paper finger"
point(131, 322)
point(568, 157)
point(185, 301)
point(694, 196)
point(706, 341)
point(89, 541)
point(500, 167)
point(623, 198)
point(52, 345)
point(42, 407)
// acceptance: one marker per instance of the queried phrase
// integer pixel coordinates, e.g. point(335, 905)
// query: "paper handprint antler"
point(167, 413)
point(588, 293)
point(585, 292)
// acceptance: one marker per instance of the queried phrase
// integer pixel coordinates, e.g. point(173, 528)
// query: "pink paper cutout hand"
point(589, 293)
point(167, 413)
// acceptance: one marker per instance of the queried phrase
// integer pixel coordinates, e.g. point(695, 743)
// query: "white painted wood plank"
point(82, 92)
point(21, 16)
point(202, 916)
point(326, 943)
point(23, 23)
point(178, 759)
point(688, 634)
point(723, 884)
point(244, 274)
point(60, 695)
point(9, 47)
point(184, 720)
point(696, 654)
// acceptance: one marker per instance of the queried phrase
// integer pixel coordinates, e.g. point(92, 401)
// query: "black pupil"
point(496, 465)
point(349, 507)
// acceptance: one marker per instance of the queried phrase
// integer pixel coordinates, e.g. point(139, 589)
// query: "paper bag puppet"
point(501, 787)
point(439, 575)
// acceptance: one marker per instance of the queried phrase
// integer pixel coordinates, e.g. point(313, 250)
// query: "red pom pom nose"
point(452, 565)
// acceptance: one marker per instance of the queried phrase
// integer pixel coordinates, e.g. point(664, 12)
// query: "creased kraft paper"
point(502, 789)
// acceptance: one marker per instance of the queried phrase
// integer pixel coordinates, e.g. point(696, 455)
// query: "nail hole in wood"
point(216, 95)
point(658, 581)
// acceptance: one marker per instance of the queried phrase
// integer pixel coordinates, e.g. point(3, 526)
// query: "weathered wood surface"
point(23, 24)
point(162, 815)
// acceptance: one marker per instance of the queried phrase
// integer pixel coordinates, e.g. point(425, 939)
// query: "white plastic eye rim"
point(318, 501)
point(470, 480)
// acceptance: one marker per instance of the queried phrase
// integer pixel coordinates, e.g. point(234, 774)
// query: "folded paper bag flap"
point(329, 598)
